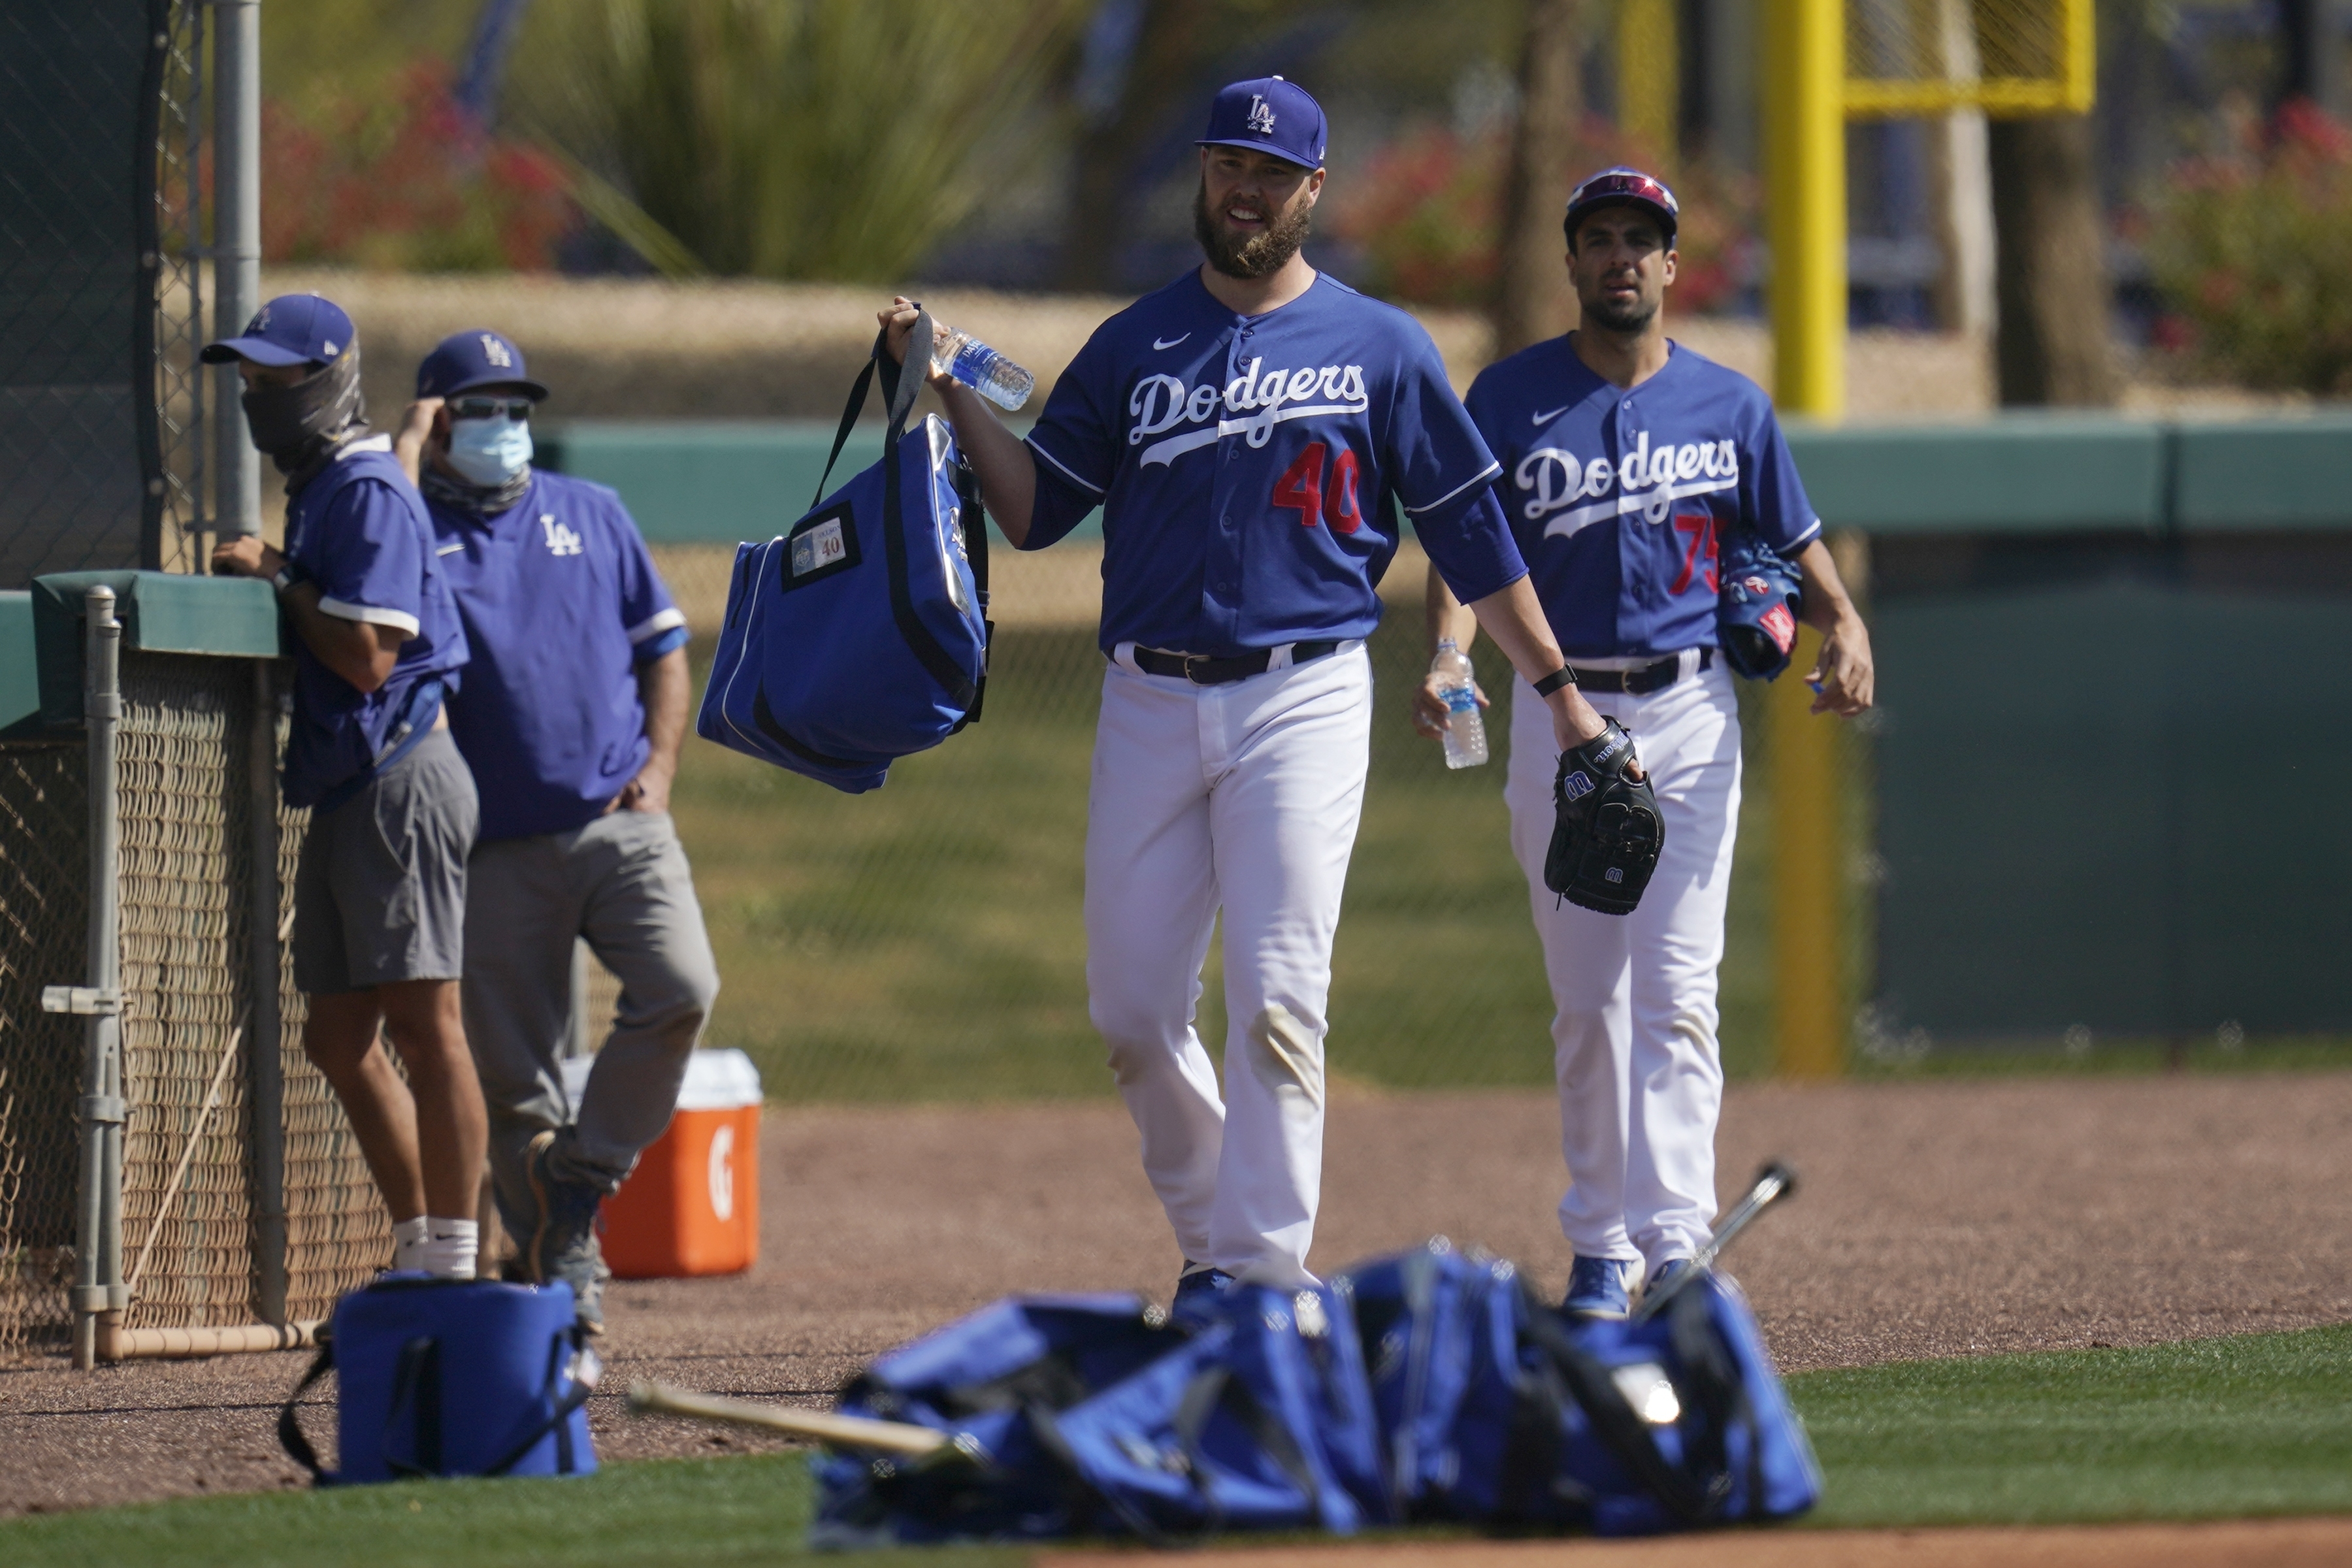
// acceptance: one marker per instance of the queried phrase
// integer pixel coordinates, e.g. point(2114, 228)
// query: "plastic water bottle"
point(982, 368)
point(1465, 731)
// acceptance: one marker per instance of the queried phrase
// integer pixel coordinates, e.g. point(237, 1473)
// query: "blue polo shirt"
point(1244, 466)
point(561, 604)
point(358, 531)
point(1620, 498)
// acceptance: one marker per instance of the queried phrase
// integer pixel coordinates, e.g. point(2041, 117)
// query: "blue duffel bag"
point(861, 634)
point(1095, 1416)
point(451, 1377)
point(1498, 1411)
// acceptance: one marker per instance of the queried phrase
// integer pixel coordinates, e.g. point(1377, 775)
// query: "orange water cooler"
point(692, 1205)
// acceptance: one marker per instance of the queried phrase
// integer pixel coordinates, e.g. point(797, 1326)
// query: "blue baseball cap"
point(1271, 115)
point(1621, 187)
point(464, 360)
point(292, 329)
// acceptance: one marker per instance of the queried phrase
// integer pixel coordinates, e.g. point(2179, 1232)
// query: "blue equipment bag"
point(989, 1378)
point(861, 634)
point(1427, 1385)
point(452, 1377)
point(1499, 1411)
point(1093, 1416)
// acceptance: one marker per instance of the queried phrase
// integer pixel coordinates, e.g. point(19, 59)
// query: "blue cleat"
point(1196, 1285)
point(1663, 1273)
point(1596, 1289)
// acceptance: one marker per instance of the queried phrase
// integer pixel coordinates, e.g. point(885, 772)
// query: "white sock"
point(448, 1252)
point(408, 1237)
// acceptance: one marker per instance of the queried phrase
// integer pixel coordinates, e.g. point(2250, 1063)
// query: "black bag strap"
point(290, 1425)
point(879, 355)
point(416, 1387)
point(1622, 1431)
point(559, 1419)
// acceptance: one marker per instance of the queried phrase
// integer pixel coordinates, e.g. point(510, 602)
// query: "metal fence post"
point(97, 1241)
point(237, 250)
point(263, 1041)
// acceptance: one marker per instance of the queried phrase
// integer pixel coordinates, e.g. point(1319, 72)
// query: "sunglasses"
point(515, 408)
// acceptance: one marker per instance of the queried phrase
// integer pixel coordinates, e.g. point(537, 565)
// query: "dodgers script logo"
point(1648, 480)
point(1262, 399)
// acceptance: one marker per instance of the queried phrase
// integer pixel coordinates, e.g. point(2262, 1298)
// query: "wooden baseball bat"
point(850, 1431)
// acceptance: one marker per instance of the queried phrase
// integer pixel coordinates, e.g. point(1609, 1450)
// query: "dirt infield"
point(1935, 1219)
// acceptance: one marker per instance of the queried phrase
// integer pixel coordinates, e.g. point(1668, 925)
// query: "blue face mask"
point(489, 452)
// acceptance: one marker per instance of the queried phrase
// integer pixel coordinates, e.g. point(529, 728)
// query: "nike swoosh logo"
point(1171, 343)
point(1548, 419)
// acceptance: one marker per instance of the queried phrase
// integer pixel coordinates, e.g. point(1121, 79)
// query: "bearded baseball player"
point(1628, 463)
point(1244, 430)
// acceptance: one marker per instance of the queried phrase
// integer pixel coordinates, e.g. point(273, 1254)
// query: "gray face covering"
point(294, 424)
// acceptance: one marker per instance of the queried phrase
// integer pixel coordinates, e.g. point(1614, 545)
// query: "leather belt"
point(1202, 671)
point(1641, 679)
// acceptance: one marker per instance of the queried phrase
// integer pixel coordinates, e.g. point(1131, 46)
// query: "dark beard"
point(1627, 320)
point(1259, 257)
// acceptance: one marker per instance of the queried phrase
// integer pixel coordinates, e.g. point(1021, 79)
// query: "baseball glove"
point(1606, 833)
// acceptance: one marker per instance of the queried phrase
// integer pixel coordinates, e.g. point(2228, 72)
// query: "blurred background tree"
point(1048, 144)
point(831, 138)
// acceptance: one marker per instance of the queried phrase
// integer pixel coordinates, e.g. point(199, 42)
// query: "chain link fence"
point(192, 1234)
point(44, 922)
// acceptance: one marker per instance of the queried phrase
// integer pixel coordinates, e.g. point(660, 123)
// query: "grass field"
point(924, 941)
point(2207, 1429)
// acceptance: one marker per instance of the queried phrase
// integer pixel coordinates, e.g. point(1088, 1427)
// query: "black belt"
point(1202, 671)
point(1641, 679)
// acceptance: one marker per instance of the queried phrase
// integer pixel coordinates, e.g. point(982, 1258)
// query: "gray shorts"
point(380, 895)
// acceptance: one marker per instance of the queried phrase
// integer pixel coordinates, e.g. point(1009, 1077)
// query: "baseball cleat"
point(560, 1240)
point(1596, 1289)
point(1663, 1273)
point(1196, 1285)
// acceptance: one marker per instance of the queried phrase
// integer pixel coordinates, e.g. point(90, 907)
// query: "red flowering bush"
point(409, 183)
point(2248, 250)
point(1428, 212)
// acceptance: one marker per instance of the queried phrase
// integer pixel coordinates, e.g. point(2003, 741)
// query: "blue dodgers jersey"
point(358, 531)
point(1244, 465)
point(1620, 498)
point(562, 605)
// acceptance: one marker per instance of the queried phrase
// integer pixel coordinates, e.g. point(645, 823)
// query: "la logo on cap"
point(1261, 118)
point(496, 353)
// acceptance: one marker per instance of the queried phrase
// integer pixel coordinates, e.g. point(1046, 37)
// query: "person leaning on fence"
point(572, 717)
point(380, 896)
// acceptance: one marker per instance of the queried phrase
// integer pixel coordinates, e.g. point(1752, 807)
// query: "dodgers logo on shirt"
point(560, 538)
point(1648, 481)
point(1263, 398)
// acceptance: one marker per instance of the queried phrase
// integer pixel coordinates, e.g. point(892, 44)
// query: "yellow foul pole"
point(1803, 62)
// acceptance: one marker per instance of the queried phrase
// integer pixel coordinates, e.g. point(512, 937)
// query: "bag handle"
point(898, 392)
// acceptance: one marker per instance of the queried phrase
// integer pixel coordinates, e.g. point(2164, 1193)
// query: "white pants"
point(1242, 796)
point(1633, 1039)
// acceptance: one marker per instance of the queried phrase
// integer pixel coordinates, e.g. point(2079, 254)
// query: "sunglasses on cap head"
point(515, 408)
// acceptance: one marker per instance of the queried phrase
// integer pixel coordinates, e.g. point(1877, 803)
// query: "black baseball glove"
point(1606, 832)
